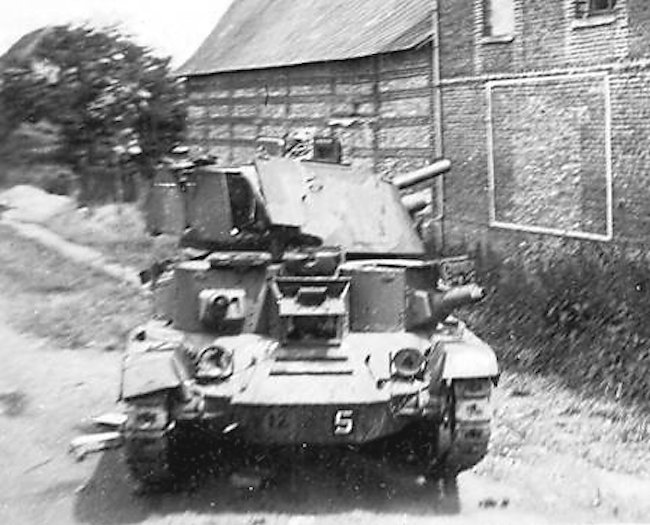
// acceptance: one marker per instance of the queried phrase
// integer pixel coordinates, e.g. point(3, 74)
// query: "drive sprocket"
point(149, 441)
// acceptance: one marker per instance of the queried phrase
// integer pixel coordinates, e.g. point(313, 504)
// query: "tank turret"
point(278, 202)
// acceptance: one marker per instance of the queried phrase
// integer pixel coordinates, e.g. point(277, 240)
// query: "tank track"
point(149, 442)
point(148, 459)
point(455, 441)
point(470, 425)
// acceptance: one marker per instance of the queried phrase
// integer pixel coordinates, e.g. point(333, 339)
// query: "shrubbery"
point(581, 311)
point(116, 107)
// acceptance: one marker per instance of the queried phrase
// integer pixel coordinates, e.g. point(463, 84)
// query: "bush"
point(580, 311)
point(115, 106)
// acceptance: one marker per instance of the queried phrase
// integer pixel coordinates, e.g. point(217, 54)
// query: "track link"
point(470, 428)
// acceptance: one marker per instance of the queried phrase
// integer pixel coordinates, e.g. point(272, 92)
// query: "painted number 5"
point(343, 422)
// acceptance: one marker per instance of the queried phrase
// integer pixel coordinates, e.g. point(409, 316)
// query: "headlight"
point(408, 362)
point(214, 362)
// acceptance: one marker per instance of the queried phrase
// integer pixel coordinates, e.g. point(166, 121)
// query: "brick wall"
point(639, 28)
point(631, 154)
point(389, 96)
point(549, 155)
point(547, 35)
point(551, 128)
point(465, 143)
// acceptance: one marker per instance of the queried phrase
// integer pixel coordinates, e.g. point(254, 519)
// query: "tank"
point(305, 312)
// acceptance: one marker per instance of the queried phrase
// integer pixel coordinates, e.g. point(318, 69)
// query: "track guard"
point(144, 373)
point(468, 358)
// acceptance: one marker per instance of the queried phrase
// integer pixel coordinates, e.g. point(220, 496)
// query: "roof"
point(260, 34)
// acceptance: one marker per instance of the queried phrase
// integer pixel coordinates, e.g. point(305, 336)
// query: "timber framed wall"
point(384, 104)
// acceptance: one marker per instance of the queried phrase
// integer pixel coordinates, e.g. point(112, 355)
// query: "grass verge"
point(536, 415)
point(115, 230)
point(53, 297)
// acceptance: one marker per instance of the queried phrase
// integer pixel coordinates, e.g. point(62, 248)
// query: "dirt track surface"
point(545, 464)
point(81, 254)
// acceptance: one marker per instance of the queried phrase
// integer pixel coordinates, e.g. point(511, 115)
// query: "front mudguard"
point(465, 357)
point(145, 373)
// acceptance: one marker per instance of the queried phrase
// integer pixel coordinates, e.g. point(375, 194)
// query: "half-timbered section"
point(362, 69)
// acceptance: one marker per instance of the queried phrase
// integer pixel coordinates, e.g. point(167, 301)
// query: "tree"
point(115, 103)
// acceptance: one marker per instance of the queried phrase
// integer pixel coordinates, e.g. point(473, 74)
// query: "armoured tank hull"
point(427, 391)
point(298, 344)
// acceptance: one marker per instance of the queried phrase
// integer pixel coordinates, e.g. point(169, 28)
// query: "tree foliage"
point(112, 99)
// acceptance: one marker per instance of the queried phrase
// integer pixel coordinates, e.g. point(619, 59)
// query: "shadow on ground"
point(13, 403)
point(302, 483)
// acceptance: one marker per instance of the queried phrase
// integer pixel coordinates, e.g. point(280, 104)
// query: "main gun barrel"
point(416, 201)
point(406, 180)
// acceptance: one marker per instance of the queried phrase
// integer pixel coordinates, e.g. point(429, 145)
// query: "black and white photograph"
point(318, 262)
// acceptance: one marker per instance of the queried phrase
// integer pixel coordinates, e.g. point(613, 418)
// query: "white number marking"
point(343, 422)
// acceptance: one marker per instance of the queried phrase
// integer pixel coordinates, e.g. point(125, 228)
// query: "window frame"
point(487, 35)
point(585, 9)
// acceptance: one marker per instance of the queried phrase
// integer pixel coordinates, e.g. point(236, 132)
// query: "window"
point(585, 8)
point(599, 6)
point(498, 18)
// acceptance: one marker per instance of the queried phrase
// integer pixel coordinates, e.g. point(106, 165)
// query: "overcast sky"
point(173, 28)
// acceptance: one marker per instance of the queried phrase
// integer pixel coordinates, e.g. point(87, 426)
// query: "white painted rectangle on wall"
point(549, 155)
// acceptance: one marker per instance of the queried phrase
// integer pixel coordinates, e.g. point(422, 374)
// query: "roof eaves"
point(391, 48)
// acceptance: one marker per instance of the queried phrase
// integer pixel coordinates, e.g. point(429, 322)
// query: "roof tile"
point(260, 34)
